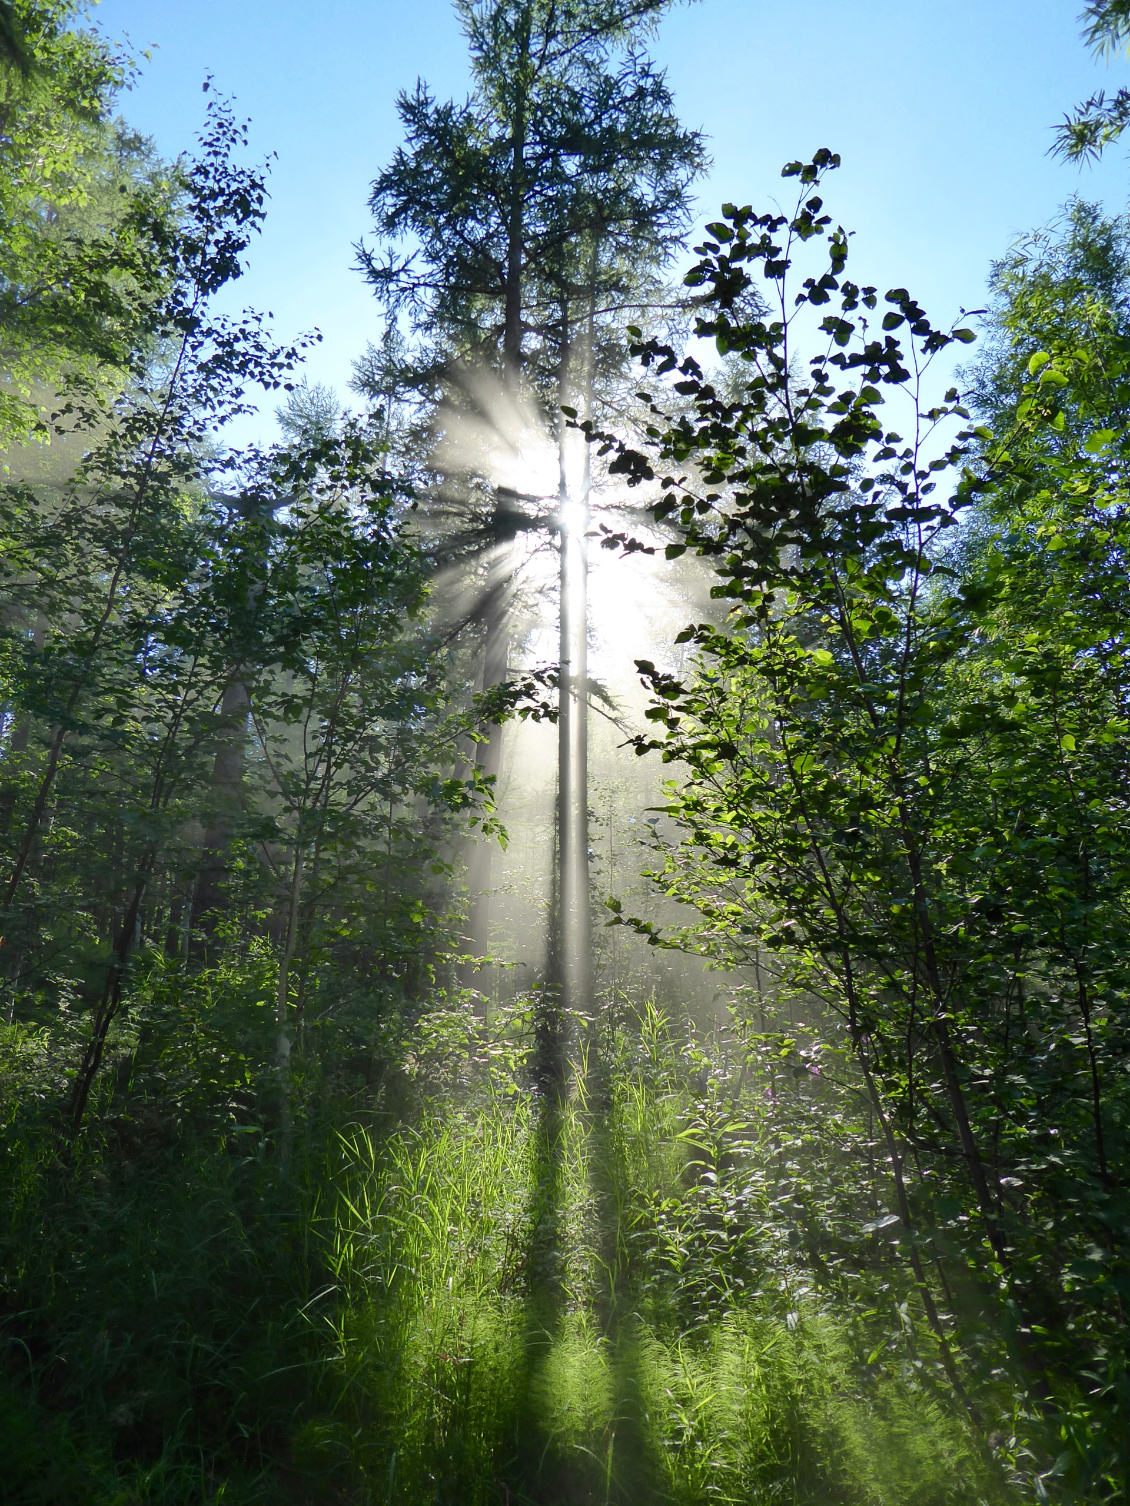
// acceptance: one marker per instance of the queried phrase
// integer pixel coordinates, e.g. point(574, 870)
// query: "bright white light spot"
point(574, 517)
point(485, 430)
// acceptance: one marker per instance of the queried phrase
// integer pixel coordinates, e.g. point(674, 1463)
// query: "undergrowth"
point(532, 1307)
point(469, 1294)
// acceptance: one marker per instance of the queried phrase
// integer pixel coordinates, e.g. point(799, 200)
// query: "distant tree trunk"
point(21, 735)
point(282, 999)
point(209, 897)
point(110, 1002)
point(17, 745)
point(495, 610)
point(495, 613)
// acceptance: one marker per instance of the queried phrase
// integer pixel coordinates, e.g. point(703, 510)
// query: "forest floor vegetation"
point(455, 1289)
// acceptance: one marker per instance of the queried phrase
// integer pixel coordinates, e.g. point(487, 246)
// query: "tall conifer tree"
point(533, 213)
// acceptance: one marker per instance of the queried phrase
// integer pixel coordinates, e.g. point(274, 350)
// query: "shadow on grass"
point(581, 1437)
point(503, 1340)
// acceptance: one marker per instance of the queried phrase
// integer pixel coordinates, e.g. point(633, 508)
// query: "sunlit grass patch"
point(505, 1334)
point(489, 1300)
point(574, 1387)
point(758, 1409)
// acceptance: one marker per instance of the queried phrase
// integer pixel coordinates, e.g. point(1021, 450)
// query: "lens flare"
point(484, 430)
point(599, 614)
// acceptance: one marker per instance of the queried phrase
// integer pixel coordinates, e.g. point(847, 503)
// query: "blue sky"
point(942, 113)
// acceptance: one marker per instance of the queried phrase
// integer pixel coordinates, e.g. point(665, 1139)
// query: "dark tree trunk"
point(209, 898)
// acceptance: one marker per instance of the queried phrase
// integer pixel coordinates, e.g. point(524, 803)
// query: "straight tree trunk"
point(282, 1001)
point(571, 947)
point(495, 609)
point(208, 897)
point(575, 938)
point(575, 945)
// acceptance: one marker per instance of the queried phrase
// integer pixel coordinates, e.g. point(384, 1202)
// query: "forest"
point(446, 1059)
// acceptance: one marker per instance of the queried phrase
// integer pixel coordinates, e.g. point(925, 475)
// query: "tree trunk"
point(933, 1317)
point(571, 951)
point(208, 897)
point(572, 741)
point(495, 607)
point(110, 1002)
point(282, 1038)
point(575, 949)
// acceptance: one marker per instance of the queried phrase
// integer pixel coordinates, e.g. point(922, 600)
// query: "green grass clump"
point(756, 1409)
point(161, 1331)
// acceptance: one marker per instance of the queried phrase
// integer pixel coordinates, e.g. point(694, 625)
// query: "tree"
point(12, 48)
point(1100, 120)
point(348, 709)
point(189, 375)
point(479, 185)
point(83, 203)
point(903, 781)
point(1065, 287)
point(107, 571)
point(539, 209)
point(311, 413)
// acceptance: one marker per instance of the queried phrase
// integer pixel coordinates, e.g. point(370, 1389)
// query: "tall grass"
point(470, 1294)
point(532, 1309)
